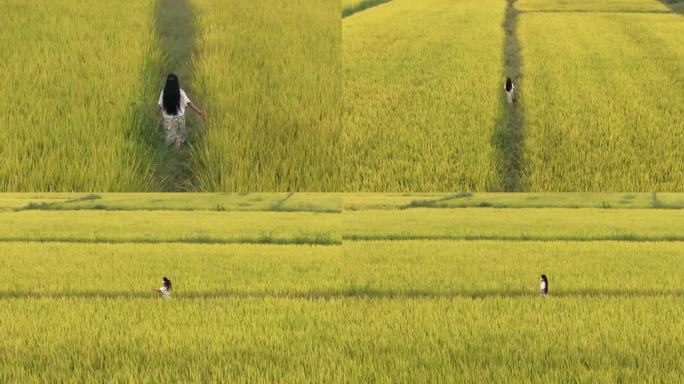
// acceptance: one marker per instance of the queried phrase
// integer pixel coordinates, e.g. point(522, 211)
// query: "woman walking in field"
point(172, 104)
point(509, 88)
point(165, 289)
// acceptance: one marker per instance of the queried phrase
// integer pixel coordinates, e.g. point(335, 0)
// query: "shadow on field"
point(347, 294)
point(362, 6)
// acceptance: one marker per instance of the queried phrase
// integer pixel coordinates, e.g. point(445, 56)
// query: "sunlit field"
point(421, 96)
point(75, 75)
point(270, 74)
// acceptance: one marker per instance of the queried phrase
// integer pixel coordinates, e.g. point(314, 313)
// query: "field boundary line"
point(616, 238)
point(345, 293)
point(362, 6)
point(596, 11)
point(266, 240)
point(218, 208)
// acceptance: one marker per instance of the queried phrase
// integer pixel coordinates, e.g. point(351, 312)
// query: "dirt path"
point(510, 134)
point(176, 32)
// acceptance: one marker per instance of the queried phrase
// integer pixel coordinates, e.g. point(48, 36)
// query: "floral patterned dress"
point(174, 129)
point(174, 126)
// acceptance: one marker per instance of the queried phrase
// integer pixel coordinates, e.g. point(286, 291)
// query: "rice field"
point(384, 201)
point(588, 119)
point(356, 96)
point(81, 114)
point(421, 97)
point(617, 125)
point(515, 224)
point(170, 226)
point(269, 72)
point(311, 202)
point(591, 6)
point(70, 122)
point(390, 310)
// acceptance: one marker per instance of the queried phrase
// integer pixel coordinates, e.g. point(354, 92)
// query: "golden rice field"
point(421, 97)
point(269, 72)
point(407, 311)
point(603, 101)
point(75, 75)
point(390, 96)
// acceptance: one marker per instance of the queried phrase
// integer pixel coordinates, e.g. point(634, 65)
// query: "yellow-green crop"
point(170, 226)
point(421, 95)
point(515, 224)
point(269, 73)
point(75, 76)
point(603, 101)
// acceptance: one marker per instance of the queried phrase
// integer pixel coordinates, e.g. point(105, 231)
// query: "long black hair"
point(172, 95)
point(509, 84)
point(167, 283)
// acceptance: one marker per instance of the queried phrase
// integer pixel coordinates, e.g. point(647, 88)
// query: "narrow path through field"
point(510, 134)
point(176, 32)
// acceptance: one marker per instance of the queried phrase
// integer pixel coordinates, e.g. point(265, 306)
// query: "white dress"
point(509, 94)
point(165, 292)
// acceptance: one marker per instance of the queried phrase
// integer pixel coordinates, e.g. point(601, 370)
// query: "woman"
point(172, 104)
point(165, 289)
point(544, 285)
point(509, 88)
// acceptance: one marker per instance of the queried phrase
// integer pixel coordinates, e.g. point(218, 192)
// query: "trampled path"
point(176, 32)
point(510, 135)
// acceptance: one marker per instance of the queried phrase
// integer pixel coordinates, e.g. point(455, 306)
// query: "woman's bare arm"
point(197, 110)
